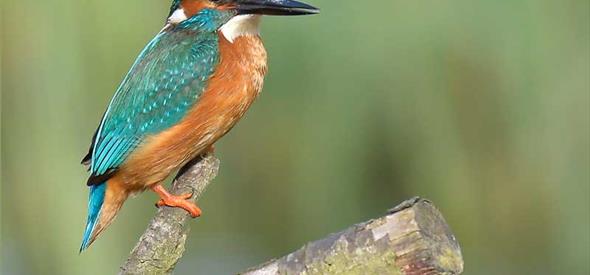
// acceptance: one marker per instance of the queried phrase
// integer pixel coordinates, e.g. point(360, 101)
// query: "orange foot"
point(167, 199)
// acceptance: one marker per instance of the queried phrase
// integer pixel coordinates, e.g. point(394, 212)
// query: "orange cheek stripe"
point(226, 7)
point(192, 7)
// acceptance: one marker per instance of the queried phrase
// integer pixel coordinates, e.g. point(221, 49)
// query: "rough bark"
point(162, 244)
point(412, 239)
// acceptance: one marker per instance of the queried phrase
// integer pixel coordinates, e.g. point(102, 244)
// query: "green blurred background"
point(481, 106)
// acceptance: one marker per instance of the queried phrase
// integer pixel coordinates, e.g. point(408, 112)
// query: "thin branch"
point(162, 244)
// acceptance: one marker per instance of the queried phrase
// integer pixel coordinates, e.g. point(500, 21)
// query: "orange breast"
point(231, 90)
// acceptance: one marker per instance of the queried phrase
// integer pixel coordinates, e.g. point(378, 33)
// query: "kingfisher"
point(187, 88)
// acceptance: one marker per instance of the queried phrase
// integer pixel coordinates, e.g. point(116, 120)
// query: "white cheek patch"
point(177, 16)
point(241, 25)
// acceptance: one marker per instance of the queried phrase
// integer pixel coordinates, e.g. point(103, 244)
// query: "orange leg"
point(167, 199)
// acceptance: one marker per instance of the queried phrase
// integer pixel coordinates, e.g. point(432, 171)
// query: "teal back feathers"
point(164, 83)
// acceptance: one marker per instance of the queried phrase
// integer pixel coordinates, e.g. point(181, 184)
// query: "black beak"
point(275, 7)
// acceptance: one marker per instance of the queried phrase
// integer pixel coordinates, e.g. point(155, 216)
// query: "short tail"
point(104, 202)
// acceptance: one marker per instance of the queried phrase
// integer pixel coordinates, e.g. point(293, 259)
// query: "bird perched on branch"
point(187, 88)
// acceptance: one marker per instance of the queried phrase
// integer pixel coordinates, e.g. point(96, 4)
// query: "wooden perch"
point(162, 244)
point(412, 239)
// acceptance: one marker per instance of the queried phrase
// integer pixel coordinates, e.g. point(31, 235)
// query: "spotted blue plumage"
point(164, 83)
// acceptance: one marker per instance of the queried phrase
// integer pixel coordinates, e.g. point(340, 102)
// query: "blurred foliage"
point(481, 106)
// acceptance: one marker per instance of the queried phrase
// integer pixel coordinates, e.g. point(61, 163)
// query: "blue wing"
point(163, 84)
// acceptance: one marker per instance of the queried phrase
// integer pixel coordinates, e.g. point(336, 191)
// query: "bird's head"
point(245, 13)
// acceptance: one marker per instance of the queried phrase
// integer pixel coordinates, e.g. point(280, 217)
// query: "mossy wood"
point(412, 239)
point(162, 244)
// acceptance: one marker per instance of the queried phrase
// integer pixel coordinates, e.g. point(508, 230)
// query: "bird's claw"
point(180, 201)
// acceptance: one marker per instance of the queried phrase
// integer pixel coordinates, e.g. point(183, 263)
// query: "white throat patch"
point(241, 25)
point(177, 16)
